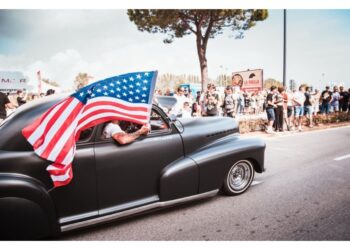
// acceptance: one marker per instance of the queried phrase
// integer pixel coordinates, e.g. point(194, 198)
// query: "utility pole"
point(284, 45)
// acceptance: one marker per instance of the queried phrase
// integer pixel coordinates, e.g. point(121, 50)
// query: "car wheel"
point(238, 178)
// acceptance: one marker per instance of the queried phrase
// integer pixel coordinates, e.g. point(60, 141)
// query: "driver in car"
point(113, 130)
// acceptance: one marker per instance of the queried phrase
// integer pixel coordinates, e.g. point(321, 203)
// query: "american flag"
point(53, 136)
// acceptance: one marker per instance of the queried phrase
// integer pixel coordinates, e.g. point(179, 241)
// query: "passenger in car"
point(113, 130)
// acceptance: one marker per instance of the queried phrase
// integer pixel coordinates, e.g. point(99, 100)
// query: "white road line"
point(342, 157)
point(255, 183)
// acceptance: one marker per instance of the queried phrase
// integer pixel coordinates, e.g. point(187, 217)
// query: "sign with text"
point(248, 81)
point(11, 81)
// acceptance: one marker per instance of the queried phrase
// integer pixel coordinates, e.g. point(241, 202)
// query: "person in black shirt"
point(344, 99)
point(326, 98)
point(308, 105)
point(270, 105)
point(21, 98)
point(4, 103)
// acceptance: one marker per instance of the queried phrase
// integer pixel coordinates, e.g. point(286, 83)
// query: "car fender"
point(179, 179)
point(26, 208)
point(215, 159)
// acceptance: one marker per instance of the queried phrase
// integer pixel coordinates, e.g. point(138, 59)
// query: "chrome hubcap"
point(239, 176)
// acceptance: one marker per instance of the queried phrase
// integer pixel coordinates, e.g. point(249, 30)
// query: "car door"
point(78, 200)
point(128, 175)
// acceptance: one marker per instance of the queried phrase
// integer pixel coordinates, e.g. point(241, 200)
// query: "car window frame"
point(170, 130)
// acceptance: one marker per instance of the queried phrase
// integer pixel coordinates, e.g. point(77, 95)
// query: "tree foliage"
point(81, 80)
point(204, 24)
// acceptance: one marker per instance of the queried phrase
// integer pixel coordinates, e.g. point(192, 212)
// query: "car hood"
point(199, 132)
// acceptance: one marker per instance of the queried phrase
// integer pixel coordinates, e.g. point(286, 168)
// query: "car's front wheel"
point(238, 178)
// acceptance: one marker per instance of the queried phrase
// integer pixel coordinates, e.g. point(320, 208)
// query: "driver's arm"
point(124, 138)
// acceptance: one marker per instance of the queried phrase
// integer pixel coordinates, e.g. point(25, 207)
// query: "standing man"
point(299, 99)
point(279, 109)
point(344, 99)
point(270, 109)
point(335, 100)
point(212, 102)
point(325, 99)
point(21, 97)
point(4, 103)
point(308, 105)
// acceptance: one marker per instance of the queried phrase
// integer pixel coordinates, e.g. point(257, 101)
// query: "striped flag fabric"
point(53, 136)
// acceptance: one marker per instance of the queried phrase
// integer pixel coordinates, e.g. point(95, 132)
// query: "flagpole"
point(39, 82)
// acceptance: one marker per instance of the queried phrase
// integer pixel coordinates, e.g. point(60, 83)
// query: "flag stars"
point(146, 74)
point(124, 94)
point(131, 86)
point(143, 100)
point(81, 94)
point(118, 82)
point(143, 95)
point(138, 76)
point(105, 93)
point(131, 79)
point(118, 89)
point(145, 81)
point(99, 90)
point(125, 81)
point(130, 99)
point(112, 91)
point(138, 84)
point(111, 84)
point(124, 87)
point(137, 98)
point(118, 96)
point(105, 87)
point(138, 91)
point(131, 93)
point(144, 88)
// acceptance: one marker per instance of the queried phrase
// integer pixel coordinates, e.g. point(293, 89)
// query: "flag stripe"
point(111, 106)
point(122, 104)
point(100, 110)
point(36, 129)
point(56, 125)
point(40, 140)
point(64, 142)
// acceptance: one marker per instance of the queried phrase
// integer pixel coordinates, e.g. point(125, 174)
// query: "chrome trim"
point(136, 210)
point(77, 217)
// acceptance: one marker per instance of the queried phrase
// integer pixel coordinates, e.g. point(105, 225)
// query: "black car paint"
point(110, 178)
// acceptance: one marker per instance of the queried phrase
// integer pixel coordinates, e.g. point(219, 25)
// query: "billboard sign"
point(11, 81)
point(248, 81)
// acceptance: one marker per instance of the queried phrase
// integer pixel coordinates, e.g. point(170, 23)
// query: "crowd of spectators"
point(9, 102)
point(285, 109)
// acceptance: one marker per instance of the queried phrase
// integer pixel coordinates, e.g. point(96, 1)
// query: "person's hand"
point(144, 130)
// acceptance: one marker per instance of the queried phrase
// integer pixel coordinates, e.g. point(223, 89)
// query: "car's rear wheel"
point(239, 178)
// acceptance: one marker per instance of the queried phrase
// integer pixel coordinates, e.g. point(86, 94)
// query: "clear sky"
point(103, 43)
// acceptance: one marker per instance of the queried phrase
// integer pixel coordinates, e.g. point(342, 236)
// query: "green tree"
point(272, 82)
point(204, 24)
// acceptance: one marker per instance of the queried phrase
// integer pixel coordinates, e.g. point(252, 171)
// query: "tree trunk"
point(201, 49)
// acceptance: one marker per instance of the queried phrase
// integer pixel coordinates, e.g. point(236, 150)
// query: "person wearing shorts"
point(270, 109)
point(299, 99)
point(308, 105)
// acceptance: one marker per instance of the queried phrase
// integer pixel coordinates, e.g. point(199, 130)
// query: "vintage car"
point(180, 160)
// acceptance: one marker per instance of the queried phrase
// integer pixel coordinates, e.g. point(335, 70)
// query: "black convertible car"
point(180, 160)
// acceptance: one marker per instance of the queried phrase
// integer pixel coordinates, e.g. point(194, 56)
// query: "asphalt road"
point(303, 195)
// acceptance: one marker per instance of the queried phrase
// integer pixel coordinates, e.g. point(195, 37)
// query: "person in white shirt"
point(298, 100)
point(113, 130)
point(181, 99)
